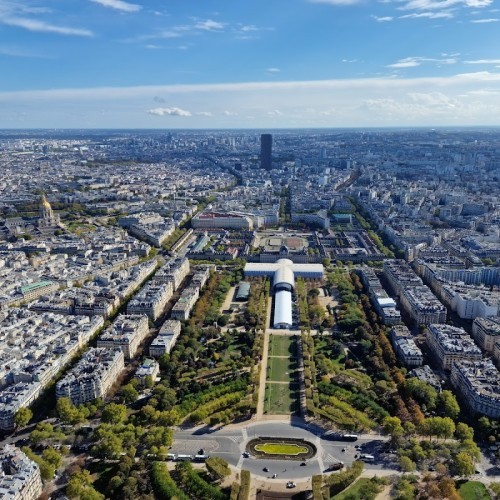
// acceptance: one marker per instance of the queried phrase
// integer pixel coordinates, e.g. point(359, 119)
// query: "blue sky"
point(250, 64)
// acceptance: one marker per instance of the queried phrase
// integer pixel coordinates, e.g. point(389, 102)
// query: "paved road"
point(229, 443)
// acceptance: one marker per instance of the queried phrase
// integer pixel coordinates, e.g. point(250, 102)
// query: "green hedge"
point(339, 482)
point(317, 483)
point(163, 485)
point(245, 485)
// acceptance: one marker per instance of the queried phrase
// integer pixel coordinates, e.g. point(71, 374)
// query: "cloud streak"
point(412, 62)
point(119, 5)
point(44, 27)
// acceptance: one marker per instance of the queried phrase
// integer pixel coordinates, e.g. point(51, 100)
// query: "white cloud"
point(428, 15)
point(273, 70)
point(43, 27)
point(248, 28)
point(412, 62)
point(275, 112)
point(483, 61)
point(229, 113)
point(209, 25)
point(169, 112)
point(441, 5)
point(350, 61)
point(409, 63)
point(478, 3)
point(484, 21)
point(383, 19)
point(119, 5)
point(204, 113)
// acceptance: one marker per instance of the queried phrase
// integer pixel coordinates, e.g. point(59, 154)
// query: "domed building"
point(48, 220)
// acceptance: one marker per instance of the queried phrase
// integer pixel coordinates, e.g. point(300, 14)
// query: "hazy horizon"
point(281, 64)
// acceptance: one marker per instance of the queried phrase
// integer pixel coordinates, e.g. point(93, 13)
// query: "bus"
point(184, 458)
point(366, 458)
point(349, 437)
point(201, 458)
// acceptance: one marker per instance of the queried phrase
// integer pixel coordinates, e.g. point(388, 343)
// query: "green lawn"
point(282, 345)
point(352, 491)
point(281, 449)
point(281, 399)
point(473, 490)
point(281, 369)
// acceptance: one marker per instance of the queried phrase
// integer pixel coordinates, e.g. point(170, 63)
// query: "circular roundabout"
point(281, 448)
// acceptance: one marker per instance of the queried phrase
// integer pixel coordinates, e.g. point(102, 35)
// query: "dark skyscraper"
point(266, 150)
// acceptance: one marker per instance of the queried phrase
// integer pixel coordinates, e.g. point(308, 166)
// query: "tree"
point(464, 464)
point(448, 404)
point(114, 413)
point(52, 456)
point(23, 416)
point(447, 488)
point(421, 391)
point(406, 464)
point(69, 413)
point(463, 432)
point(80, 487)
point(149, 381)
point(392, 426)
point(129, 394)
point(405, 490)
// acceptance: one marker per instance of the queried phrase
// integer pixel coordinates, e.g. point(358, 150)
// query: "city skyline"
point(285, 64)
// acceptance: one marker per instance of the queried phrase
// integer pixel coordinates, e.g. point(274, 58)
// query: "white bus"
point(366, 458)
point(184, 458)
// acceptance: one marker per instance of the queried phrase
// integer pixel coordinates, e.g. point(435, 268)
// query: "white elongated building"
point(283, 273)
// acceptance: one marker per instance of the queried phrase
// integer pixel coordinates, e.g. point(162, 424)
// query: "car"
point(303, 464)
point(358, 447)
point(201, 451)
point(245, 454)
point(265, 469)
point(344, 449)
point(432, 469)
point(275, 476)
point(335, 466)
point(290, 484)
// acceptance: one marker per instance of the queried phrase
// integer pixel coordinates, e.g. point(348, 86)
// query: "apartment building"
point(19, 476)
point(166, 338)
point(450, 344)
point(93, 375)
point(126, 333)
point(404, 346)
point(151, 300)
point(486, 332)
point(478, 382)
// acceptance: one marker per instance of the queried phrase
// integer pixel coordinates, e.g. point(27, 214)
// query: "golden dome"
point(45, 203)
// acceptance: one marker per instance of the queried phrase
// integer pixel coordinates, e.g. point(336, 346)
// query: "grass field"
point(282, 345)
point(353, 491)
point(281, 369)
point(281, 449)
point(281, 399)
point(473, 490)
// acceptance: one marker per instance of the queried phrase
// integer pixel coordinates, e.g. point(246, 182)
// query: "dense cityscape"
point(222, 314)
